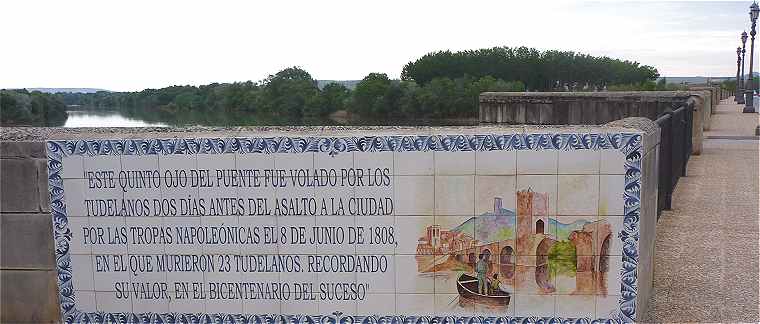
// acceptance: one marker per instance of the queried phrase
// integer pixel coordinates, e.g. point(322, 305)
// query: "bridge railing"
point(674, 152)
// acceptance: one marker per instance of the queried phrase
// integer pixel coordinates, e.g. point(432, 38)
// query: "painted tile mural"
point(488, 228)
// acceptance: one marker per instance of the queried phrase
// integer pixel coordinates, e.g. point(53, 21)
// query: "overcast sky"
point(136, 44)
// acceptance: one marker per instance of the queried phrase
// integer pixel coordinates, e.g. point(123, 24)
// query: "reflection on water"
point(104, 118)
point(144, 117)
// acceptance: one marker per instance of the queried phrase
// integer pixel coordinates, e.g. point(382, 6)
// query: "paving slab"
point(707, 246)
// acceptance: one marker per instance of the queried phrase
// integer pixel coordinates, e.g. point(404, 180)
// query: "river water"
point(105, 118)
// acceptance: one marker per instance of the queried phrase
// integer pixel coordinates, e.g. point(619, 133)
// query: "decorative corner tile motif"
point(501, 264)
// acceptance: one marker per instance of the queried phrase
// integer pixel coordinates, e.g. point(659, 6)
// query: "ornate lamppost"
point(744, 61)
point(739, 92)
point(749, 107)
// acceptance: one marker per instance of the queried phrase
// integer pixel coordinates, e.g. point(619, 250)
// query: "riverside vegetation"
point(441, 87)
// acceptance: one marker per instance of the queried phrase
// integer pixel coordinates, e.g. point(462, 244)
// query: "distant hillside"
point(64, 90)
point(696, 79)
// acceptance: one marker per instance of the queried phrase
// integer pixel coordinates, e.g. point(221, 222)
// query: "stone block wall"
point(27, 263)
point(593, 108)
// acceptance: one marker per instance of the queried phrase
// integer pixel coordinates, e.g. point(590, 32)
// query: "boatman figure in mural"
point(481, 268)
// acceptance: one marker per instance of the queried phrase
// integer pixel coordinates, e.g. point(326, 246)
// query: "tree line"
point(538, 70)
point(23, 108)
point(439, 85)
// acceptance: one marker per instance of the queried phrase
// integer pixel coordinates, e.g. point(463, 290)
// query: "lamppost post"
point(738, 93)
point(744, 62)
point(749, 107)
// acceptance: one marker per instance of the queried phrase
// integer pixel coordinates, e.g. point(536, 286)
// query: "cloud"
point(149, 44)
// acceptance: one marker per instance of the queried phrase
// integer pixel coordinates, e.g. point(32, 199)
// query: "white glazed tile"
point(261, 307)
point(147, 276)
point(413, 195)
point(382, 222)
point(150, 305)
point(139, 162)
point(293, 161)
point(187, 306)
point(607, 306)
point(496, 162)
point(579, 162)
point(408, 230)
point(114, 230)
point(102, 163)
point(109, 303)
point(455, 163)
point(577, 306)
point(176, 162)
point(298, 234)
point(222, 263)
point(489, 188)
point(213, 162)
point(537, 162)
point(333, 235)
point(295, 194)
point(74, 196)
point(145, 235)
point(542, 184)
point(612, 162)
point(329, 199)
point(454, 195)
point(616, 224)
point(185, 200)
point(254, 161)
point(79, 226)
point(346, 307)
point(105, 280)
point(81, 269)
point(85, 301)
point(534, 305)
point(343, 160)
point(446, 282)
point(578, 195)
point(377, 304)
point(374, 160)
point(216, 199)
point(224, 306)
point(413, 163)
point(265, 231)
point(613, 276)
point(409, 281)
point(384, 280)
point(611, 201)
point(73, 167)
point(182, 243)
point(221, 222)
point(447, 304)
point(415, 304)
point(300, 307)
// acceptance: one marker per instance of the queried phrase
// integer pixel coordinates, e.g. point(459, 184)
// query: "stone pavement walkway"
point(706, 259)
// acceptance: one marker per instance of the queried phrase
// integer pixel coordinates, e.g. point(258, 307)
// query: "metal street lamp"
point(744, 58)
point(739, 92)
point(749, 107)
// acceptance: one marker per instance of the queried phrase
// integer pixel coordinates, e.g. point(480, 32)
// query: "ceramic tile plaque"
point(492, 227)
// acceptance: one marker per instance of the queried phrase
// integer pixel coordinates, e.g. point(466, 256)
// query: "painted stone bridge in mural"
point(523, 262)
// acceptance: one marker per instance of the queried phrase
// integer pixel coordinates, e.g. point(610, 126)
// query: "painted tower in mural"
point(532, 219)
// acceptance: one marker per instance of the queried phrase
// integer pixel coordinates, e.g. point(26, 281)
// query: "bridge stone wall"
point(594, 108)
point(27, 263)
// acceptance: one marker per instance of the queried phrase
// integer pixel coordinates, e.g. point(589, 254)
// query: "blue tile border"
point(630, 144)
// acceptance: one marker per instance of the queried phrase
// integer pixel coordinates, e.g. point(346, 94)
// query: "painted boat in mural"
point(467, 286)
